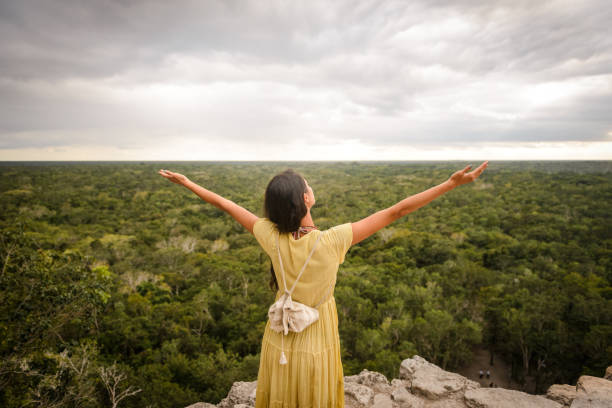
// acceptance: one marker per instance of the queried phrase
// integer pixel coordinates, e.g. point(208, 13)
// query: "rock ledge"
point(425, 385)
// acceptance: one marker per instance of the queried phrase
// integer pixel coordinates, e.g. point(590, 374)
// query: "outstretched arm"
point(243, 216)
point(369, 225)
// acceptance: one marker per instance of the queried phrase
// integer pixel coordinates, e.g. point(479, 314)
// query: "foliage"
point(108, 267)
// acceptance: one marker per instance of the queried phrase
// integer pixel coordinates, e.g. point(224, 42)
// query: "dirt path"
point(500, 371)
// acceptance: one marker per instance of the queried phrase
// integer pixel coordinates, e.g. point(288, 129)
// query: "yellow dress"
point(313, 376)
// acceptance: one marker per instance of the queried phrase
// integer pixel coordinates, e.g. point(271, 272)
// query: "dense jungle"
point(113, 278)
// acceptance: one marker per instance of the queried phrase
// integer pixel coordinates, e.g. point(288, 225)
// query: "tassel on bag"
point(283, 359)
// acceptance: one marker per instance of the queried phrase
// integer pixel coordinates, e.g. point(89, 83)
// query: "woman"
point(303, 369)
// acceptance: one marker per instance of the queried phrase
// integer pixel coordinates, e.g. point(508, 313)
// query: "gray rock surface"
point(608, 374)
point(403, 397)
point(593, 392)
point(377, 381)
point(563, 394)
point(594, 386)
point(357, 395)
point(431, 381)
point(446, 403)
point(585, 401)
point(503, 398)
point(382, 401)
point(425, 385)
point(240, 393)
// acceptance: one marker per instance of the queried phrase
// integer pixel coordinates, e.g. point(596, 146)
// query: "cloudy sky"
point(311, 80)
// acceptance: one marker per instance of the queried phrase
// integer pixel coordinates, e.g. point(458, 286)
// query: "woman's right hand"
point(463, 177)
point(176, 178)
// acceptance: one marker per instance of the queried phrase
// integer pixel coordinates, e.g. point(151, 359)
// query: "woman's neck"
point(307, 220)
point(306, 225)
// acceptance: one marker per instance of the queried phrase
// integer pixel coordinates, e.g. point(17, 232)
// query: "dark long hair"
point(284, 205)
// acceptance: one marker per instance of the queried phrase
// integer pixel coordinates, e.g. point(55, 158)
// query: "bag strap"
point(280, 260)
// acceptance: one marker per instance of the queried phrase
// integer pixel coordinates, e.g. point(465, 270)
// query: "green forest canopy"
point(112, 267)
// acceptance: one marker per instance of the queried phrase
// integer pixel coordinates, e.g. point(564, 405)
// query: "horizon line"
point(304, 161)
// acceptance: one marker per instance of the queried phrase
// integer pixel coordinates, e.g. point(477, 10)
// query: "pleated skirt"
point(313, 376)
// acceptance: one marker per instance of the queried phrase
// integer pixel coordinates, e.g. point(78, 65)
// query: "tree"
point(112, 378)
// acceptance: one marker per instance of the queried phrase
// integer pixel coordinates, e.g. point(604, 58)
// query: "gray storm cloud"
point(126, 73)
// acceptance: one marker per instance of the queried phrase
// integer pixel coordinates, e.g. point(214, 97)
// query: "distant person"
point(488, 374)
point(480, 374)
point(303, 369)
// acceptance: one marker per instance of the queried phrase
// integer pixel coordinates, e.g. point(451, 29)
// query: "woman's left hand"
point(463, 177)
point(176, 178)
